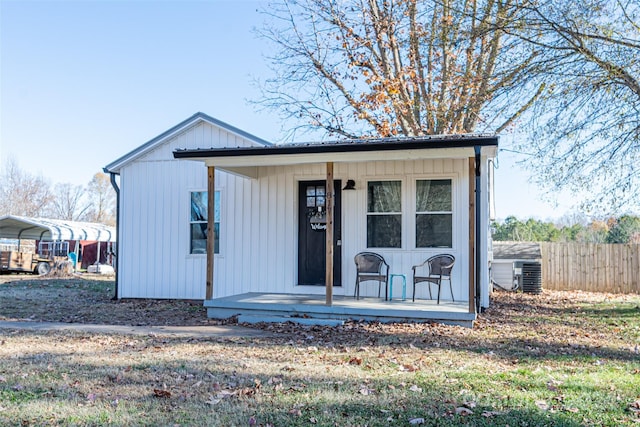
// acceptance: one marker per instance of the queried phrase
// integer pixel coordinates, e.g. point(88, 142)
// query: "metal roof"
point(17, 227)
point(347, 146)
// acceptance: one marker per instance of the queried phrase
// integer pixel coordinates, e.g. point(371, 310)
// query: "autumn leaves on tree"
point(372, 68)
point(563, 77)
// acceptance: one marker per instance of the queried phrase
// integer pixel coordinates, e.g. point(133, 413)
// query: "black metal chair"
point(371, 267)
point(439, 269)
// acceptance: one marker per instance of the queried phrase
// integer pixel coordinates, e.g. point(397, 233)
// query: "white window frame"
point(402, 212)
point(415, 212)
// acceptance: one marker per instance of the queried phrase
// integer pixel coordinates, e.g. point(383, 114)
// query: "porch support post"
point(330, 196)
point(472, 233)
point(211, 231)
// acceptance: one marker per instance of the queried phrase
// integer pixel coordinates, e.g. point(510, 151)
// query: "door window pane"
point(384, 214)
point(315, 196)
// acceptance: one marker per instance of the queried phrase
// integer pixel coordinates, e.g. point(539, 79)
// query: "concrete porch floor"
point(311, 309)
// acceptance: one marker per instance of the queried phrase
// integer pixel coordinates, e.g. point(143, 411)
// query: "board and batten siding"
point(154, 219)
point(259, 220)
point(259, 244)
point(354, 228)
point(258, 235)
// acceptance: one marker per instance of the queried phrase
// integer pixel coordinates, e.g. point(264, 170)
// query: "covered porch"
point(310, 309)
point(276, 172)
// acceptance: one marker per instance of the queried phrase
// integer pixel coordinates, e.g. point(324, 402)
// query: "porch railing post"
point(330, 195)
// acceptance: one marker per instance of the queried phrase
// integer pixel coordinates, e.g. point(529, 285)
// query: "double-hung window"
point(434, 213)
point(198, 222)
point(384, 214)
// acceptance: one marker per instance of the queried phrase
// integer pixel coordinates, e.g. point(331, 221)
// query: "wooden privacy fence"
point(591, 267)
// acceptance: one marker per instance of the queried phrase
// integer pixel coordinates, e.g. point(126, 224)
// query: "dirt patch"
point(89, 299)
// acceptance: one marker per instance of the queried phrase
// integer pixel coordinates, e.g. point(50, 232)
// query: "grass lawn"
point(557, 359)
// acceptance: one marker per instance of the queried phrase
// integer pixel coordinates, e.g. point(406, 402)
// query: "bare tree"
point(357, 68)
point(21, 193)
point(585, 130)
point(102, 200)
point(69, 202)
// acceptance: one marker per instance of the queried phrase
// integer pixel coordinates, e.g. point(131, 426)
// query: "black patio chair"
point(371, 267)
point(439, 269)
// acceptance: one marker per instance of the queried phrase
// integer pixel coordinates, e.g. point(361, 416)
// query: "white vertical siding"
point(483, 244)
point(201, 135)
point(401, 260)
point(154, 220)
point(262, 256)
point(154, 231)
point(259, 223)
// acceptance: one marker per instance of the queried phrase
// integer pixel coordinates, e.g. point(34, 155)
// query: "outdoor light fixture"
point(351, 185)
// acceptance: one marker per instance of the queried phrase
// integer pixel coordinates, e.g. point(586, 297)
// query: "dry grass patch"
point(563, 359)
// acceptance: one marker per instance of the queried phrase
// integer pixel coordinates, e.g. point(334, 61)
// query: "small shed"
point(508, 256)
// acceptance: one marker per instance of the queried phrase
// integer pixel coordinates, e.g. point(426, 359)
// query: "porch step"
point(311, 321)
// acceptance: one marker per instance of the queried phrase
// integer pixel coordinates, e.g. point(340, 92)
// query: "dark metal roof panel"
point(343, 146)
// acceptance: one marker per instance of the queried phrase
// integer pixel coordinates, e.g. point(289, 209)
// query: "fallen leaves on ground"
point(157, 392)
point(89, 299)
point(349, 359)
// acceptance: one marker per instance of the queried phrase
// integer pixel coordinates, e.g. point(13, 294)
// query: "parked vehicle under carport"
point(49, 255)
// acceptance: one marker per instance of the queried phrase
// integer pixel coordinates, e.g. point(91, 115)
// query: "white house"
point(403, 198)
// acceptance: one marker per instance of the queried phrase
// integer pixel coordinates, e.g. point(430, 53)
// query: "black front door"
point(311, 233)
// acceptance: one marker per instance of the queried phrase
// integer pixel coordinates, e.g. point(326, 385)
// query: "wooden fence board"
point(591, 267)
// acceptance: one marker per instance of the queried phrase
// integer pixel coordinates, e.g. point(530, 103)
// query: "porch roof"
point(242, 159)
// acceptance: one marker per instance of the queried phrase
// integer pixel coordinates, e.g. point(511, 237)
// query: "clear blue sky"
point(85, 82)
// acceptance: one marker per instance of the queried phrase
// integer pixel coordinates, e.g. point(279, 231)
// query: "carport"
point(17, 227)
point(56, 230)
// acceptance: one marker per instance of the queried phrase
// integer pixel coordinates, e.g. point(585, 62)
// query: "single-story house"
point(508, 259)
point(208, 211)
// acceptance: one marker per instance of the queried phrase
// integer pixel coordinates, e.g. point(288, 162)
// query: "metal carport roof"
point(17, 227)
